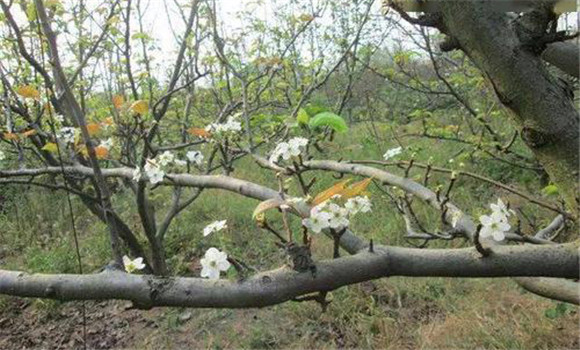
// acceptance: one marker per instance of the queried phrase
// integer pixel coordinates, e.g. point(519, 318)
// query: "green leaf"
point(31, 12)
point(50, 147)
point(313, 110)
point(550, 190)
point(551, 313)
point(330, 119)
point(302, 117)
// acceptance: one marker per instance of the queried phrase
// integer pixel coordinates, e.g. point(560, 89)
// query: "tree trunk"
point(506, 51)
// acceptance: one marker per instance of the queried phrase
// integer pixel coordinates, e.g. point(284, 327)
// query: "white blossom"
point(501, 208)
point(317, 221)
point(2, 155)
point(358, 204)
point(59, 118)
point(195, 157)
point(180, 162)
point(494, 225)
point(213, 262)
point(67, 134)
point(287, 150)
point(338, 216)
point(232, 126)
point(166, 158)
point(108, 143)
point(215, 226)
point(132, 265)
point(392, 152)
point(153, 171)
point(137, 174)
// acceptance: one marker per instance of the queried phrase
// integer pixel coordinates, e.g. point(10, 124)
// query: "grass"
point(393, 313)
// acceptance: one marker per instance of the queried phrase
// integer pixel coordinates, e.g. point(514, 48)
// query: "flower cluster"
point(2, 155)
point(213, 262)
point(154, 168)
point(496, 224)
point(287, 150)
point(329, 214)
point(231, 126)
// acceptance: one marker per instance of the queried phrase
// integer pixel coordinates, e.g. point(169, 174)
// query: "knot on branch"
point(300, 258)
point(534, 138)
point(449, 44)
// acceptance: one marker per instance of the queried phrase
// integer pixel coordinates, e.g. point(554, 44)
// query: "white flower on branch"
point(358, 204)
point(2, 155)
point(494, 225)
point(392, 152)
point(108, 143)
point(166, 158)
point(180, 162)
point(338, 216)
point(132, 265)
point(231, 126)
point(67, 135)
point(287, 150)
point(215, 226)
point(153, 171)
point(501, 208)
point(59, 118)
point(137, 174)
point(213, 262)
point(317, 221)
point(195, 157)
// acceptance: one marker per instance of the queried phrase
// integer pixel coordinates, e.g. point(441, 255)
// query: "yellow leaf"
point(10, 136)
point(82, 149)
point(329, 192)
point(356, 189)
point(108, 121)
point(140, 107)
point(93, 128)
point(118, 101)
point(28, 91)
point(199, 132)
point(29, 133)
point(101, 152)
point(50, 147)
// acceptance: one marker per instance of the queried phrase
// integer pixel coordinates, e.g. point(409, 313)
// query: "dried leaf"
point(140, 107)
point(93, 128)
point(28, 133)
point(28, 91)
point(199, 132)
point(356, 189)
point(101, 152)
point(10, 136)
point(335, 189)
point(118, 101)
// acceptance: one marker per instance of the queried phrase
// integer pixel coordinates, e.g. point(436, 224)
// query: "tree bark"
point(540, 104)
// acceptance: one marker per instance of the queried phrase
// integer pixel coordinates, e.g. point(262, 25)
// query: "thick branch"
point(284, 284)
